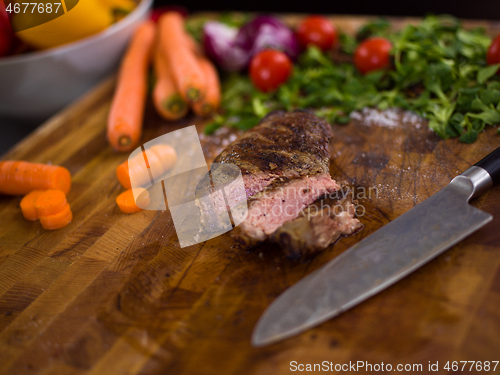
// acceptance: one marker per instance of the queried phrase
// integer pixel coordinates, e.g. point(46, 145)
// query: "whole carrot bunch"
point(184, 78)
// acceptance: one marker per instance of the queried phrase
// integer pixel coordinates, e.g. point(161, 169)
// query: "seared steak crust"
point(284, 144)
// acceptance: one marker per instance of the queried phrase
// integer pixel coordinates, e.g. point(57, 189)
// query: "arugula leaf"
point(377, 27)
point(486, 73)
point(490, 96)
point(469, 137)
point(489, 116)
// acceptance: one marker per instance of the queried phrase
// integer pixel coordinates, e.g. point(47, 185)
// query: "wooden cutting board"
point(115, 294)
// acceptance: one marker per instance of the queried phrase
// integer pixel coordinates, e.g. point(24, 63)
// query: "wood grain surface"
point(115, 294)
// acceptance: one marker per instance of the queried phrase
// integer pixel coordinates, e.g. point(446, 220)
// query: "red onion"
point(268, 32)
point(233, 49)
point(220, 46)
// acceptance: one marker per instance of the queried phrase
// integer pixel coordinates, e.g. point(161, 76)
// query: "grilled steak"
point(284, 163)
point(284, 145)
point(318, 225)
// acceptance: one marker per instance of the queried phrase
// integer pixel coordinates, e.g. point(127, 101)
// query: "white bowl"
point(35, 85)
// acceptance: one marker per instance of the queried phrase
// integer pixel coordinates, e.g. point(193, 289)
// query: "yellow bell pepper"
point(86, 18)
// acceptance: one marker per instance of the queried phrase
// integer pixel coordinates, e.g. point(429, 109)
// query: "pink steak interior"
point(283, 204)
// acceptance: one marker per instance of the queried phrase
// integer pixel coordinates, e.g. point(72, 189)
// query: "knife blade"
point(383, 258)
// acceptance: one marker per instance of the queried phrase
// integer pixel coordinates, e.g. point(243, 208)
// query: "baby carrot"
point(58, 220)
point(138, 167)
point(21, 177)
point(158, 159)
point(211, 101)
point(142, 198)
point(166, 154)
point(28, 205)
point(154, 164)
point(126, 202)
point(123, 175)
point(50, 202)
point(127, 109)
point(167, 100)
point(186, 71)
point(192, 45)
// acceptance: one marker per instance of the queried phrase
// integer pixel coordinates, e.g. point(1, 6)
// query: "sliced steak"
point(319, 225)
point(283, 145)
point(284, 163)
point(280, 203)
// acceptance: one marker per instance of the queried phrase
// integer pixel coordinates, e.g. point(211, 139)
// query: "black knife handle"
point(491, 164)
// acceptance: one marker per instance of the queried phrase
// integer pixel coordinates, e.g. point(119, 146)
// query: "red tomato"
point(493, 54)
point(269, 69)
point(318, 31)
point(372, 54)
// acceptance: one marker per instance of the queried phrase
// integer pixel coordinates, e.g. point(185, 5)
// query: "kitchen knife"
point(383, 258)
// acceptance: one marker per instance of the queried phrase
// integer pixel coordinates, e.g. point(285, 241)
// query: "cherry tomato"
point(372, 54)
point(318, 31)
point(269, 69)
point(493, 54)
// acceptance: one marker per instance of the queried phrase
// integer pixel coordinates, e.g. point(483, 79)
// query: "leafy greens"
point(439, 72)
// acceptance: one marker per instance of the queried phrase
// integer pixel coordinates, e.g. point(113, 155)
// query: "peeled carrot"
point(123, 175)
point(186, 70)
point(127, 109)
point(28, 205)
point(126, 202)
point(193, 46)
point(50, 202)
point(166, 98)
point(142, 198)
point(211, 101)
point(58, 220)
point(166, 154)
point(158, 159)
point(154, 164)
point(21, 177)
point(138, 168)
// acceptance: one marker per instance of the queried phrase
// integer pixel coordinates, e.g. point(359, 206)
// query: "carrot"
point(123, 175)
point(192, 45)
point(142, 198)
point(167, 100)
point(186, 71)
point(154, 164)
point(21, 177)
point(58, 220)
point(158, 158)
point(137, 167)
point(127, 109)
point(50, 202)
point(28, 205)
point(211, 101)
point(126, 202)
point(166, 154)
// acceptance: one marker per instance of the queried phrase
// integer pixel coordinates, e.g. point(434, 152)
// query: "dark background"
point(478, 9)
